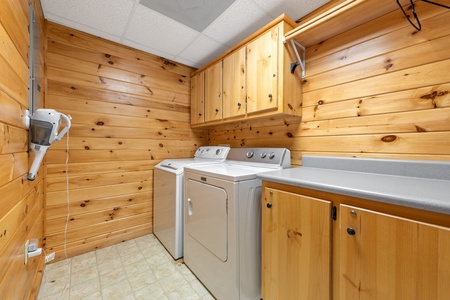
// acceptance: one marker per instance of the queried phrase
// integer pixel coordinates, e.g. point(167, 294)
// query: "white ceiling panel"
point(107, 16)
point(295, 8)
point(147, 49)
point(154, 30)
point(240, 20)
point(202, 50)
point(132, 24)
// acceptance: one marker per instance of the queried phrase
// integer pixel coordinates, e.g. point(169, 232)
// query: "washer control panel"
point(212, 152)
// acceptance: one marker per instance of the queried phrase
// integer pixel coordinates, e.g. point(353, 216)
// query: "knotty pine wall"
point(380, 90)
point(21, 201)
point(130, 110)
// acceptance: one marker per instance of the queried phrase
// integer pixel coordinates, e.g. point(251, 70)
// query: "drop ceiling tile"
point(102, 15)
point(187, 62)
point(81, 27)
point(293, 8)
point(156, 31)
point(147, 49)
point(202, 50)
point(240, 20)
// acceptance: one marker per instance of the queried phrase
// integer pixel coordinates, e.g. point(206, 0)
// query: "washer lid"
point(174, 165)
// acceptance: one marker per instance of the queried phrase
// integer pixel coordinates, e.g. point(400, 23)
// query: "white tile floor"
point(136, 269)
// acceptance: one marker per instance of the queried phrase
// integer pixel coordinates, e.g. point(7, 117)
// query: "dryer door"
point(206, 217)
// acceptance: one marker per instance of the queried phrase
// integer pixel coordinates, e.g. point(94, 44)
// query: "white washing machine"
point(168, 195)
point(222, 233)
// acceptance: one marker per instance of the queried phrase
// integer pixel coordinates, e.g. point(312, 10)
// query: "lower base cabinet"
point(386, 257)
point(295, 246)
point(351, 253)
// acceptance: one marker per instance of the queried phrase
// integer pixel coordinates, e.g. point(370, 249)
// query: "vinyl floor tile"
point(137, 269)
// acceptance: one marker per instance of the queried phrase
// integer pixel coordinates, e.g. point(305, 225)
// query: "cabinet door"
point(386, 257)
point(296, 233)
point(197, 99)
point(262, 72)
point(213, 92)
point(234, 97)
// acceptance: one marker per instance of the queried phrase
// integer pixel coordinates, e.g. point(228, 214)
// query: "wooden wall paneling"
point(83, 220)
point(372, 29)
point(59, 156)
point(378, 90)
point(104, 69)
point(9, 52)
point(431, 120)
point(95, 204)
point(71, 104)
point(437, 143)
point(378, 65)
point(11, 111)
point(11, 83)
point(98, 82)
point(90, 180)
point(441, 157)
point(58, 170)
point(59, 197)
point(15, 22)
point(135, 60)
point(101, 119)
point(21, 204)
point(17, 278)
point(412, 78)
point(104, 228)
point(409, 100)
point(100, 241)
point(129, 111)
point(273, 132)
point(123, 132)
point(59, 89)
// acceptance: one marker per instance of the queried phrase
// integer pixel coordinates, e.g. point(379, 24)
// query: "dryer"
point(168, 195)
point(222, 234)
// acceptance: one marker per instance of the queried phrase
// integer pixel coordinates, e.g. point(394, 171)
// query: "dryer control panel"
point(272, 156)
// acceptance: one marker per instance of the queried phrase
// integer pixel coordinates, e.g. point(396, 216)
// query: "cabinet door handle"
point(269, 205)
point(270, 96)
point(351, 231)
point(217, 110)
point(239, 104)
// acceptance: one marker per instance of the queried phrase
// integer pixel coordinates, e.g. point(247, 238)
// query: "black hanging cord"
point(418, 27)
point(438, 4)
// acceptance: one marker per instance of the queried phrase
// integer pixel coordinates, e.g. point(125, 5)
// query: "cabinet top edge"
point(282, 18)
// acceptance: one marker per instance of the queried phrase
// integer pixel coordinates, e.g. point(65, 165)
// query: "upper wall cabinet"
point(262, 75)
point(213, 92)
point(254, 79)
point(234, 95)
point(198, 93)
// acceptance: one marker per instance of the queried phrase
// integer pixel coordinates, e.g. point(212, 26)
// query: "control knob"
point(263, 155)
point(271, 155)
point(250, 154)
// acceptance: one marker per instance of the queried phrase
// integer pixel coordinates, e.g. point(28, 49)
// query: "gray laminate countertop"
point(418, 184)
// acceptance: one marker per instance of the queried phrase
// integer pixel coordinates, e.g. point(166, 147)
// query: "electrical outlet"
point(50, 257)
point(25, 252)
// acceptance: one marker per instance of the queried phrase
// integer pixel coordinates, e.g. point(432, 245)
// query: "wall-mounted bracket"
point(301, 60)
